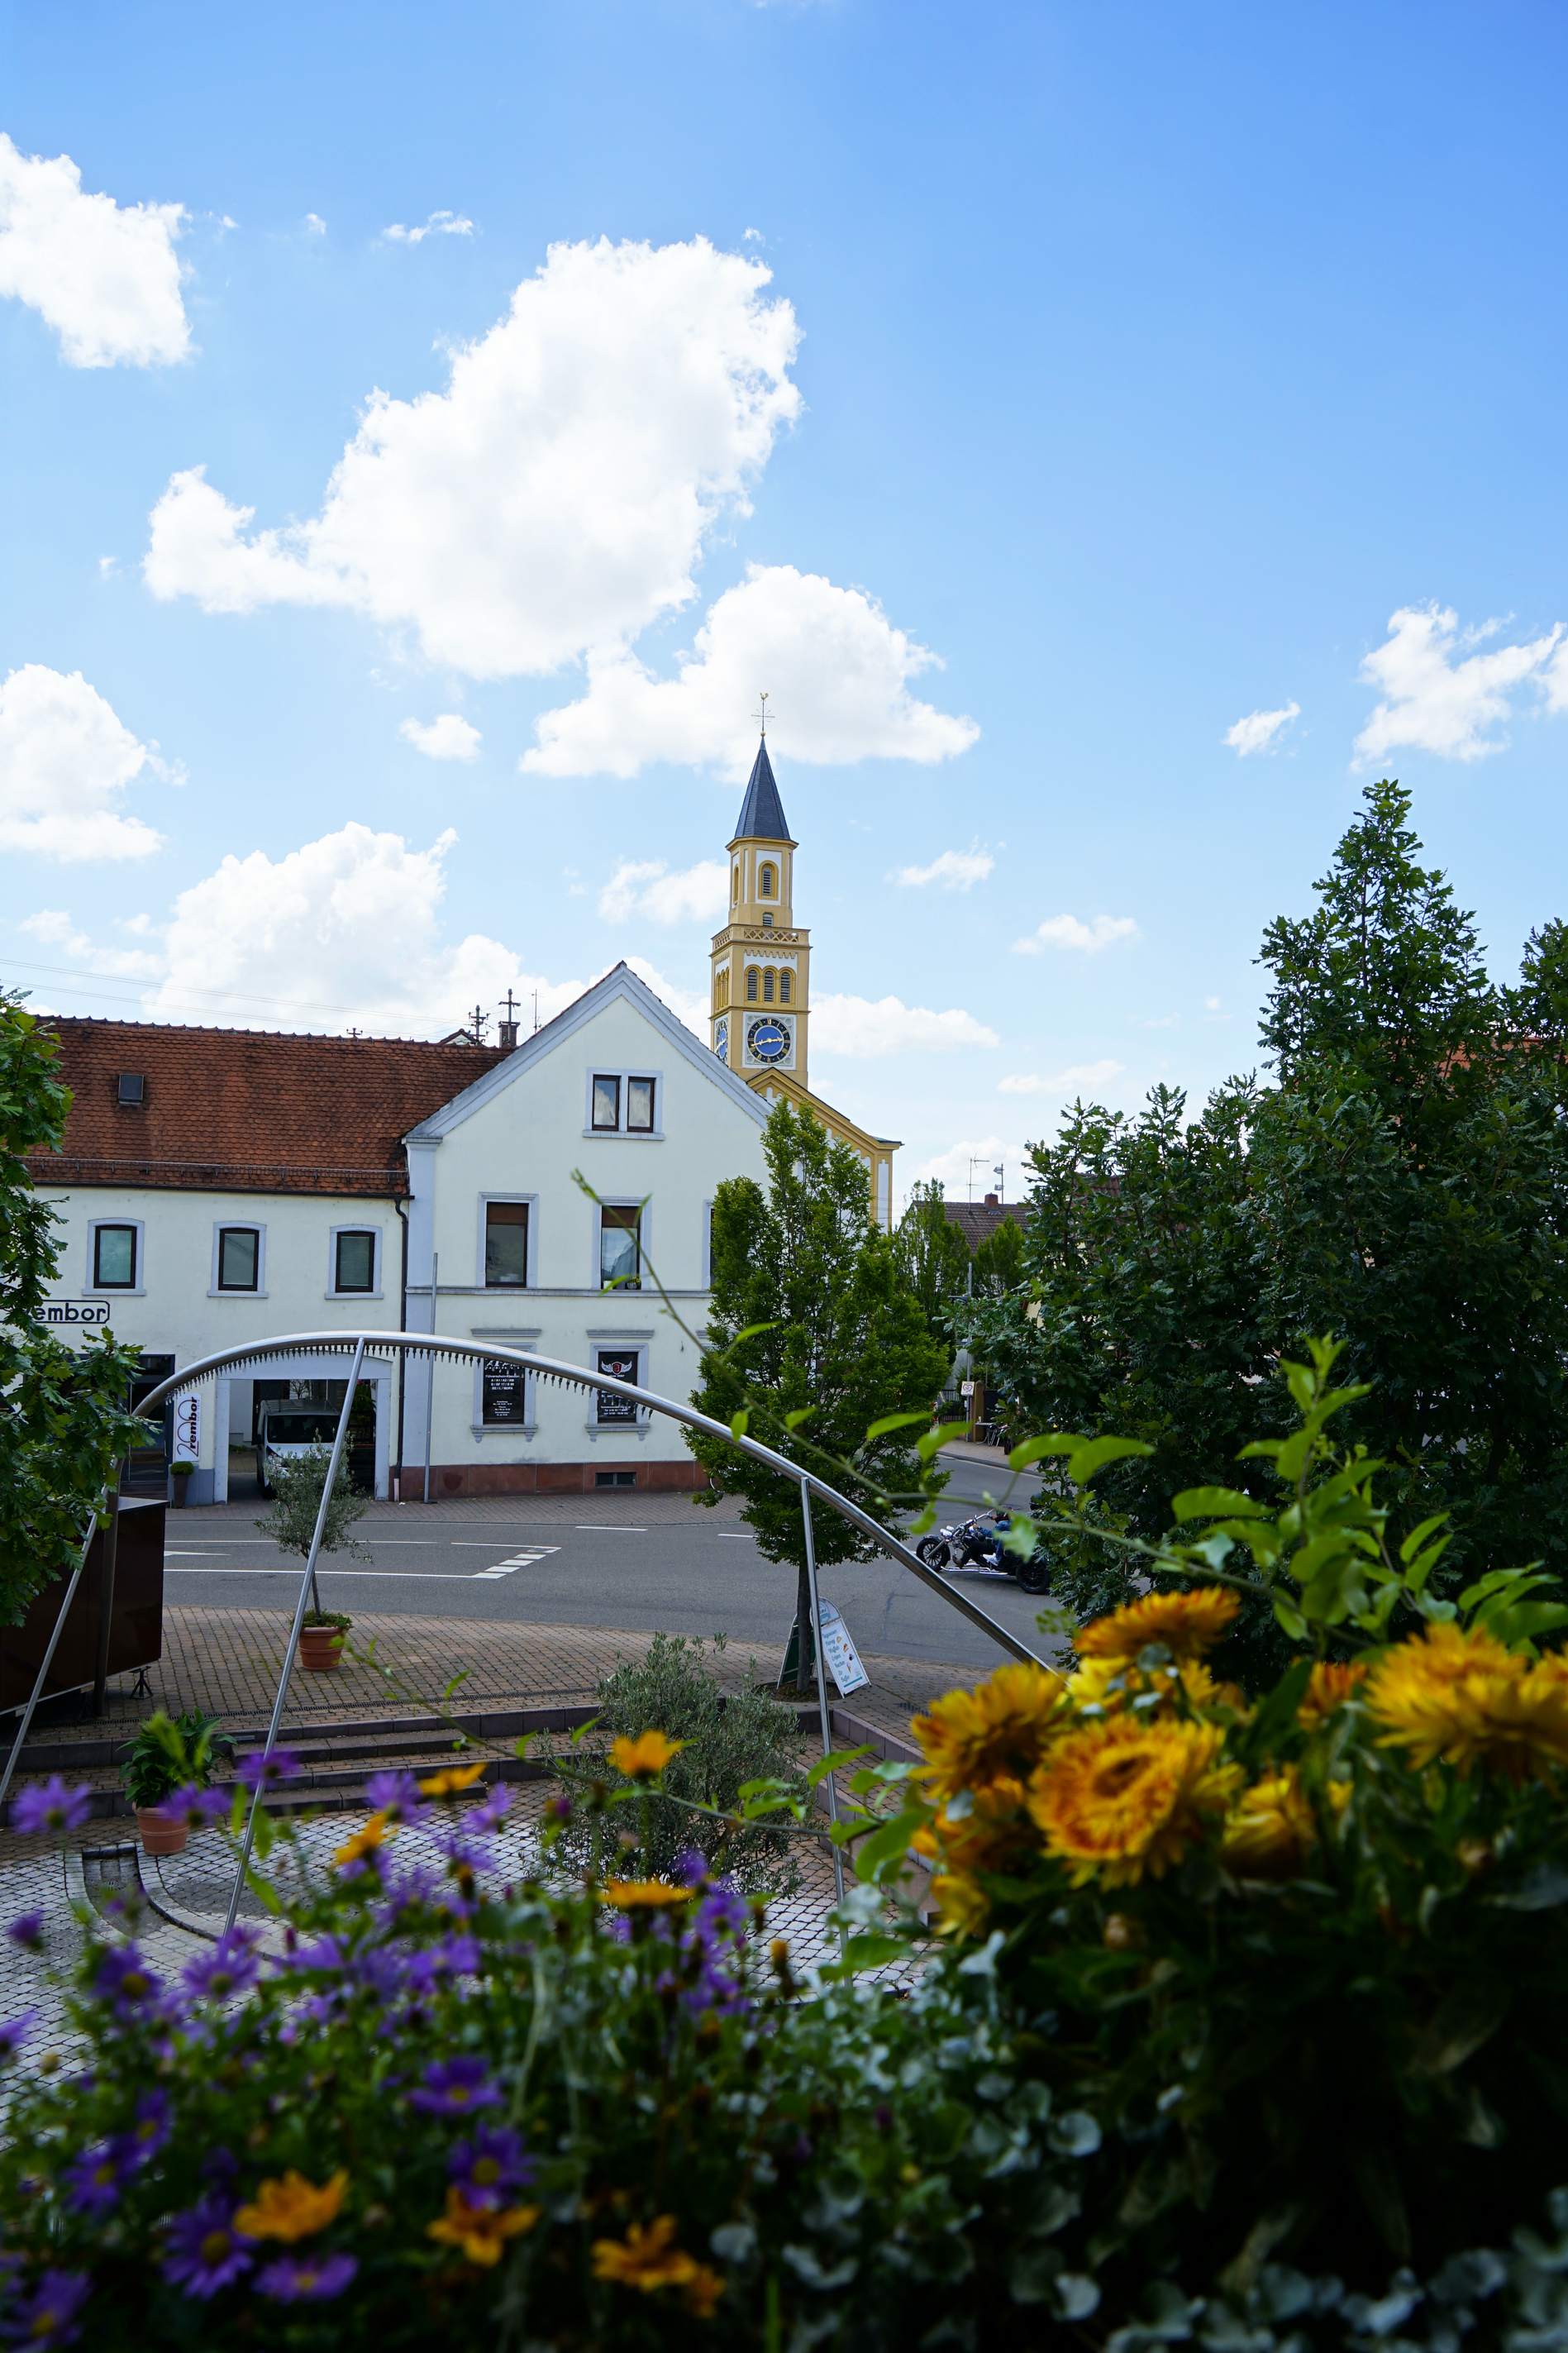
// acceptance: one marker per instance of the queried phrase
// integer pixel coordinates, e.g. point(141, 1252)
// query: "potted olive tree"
point(291, 1522)
point(170, 1758)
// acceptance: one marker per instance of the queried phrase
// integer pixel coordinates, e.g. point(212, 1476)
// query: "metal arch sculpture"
point(436, 1347)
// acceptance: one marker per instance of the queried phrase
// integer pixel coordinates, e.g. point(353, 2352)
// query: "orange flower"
point(481, 2232)
point(1187, 1624)
point(1271, 1830)
point(1001, 1727)
point(1467, 1699)
point(644, 1758)
point(644, 2259)
point(639, 1894)
point(1330, 1684)
point(364, 1841)
point(449, 1780)
point(962, 1906)
point(1121, 1799)
point(293, 2207)
point(702, 2292)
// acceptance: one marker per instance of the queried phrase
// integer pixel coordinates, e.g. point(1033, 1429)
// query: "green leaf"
point(1095, 1452)
point(830, 1763)
point(1217, 1503)
point(890, 1844)
point(894, 1421)
point(1035, 1450)
point(801, 1414)
point(263, 1835)
point(1278, 1711)
point(869, 1950)
point(739, 1422)
point(1290, 1619)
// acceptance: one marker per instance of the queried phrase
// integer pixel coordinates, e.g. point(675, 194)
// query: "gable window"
point(353, 1262)
point(620, 1255)
point(238, 1256)
point(783, 988)
point(506, 1244)
point(639, 1106)
point(751, 984)
point(765, 883)
point(114, 1258)
point(606, 1102)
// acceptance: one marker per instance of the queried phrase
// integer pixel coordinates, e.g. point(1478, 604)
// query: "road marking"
point(734, 1535)
point(594, 1528)
point(193, 1556)
point(518, 1560)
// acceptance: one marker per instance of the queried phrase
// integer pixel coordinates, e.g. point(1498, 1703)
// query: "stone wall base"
point(448, 1479)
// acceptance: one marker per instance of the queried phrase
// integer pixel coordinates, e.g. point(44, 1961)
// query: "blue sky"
point(1120, 372)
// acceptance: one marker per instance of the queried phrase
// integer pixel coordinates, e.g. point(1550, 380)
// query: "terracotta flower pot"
point(321, 1648)
point(161, 1833)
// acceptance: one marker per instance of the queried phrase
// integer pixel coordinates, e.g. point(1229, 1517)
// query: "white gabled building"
point(216, 1187)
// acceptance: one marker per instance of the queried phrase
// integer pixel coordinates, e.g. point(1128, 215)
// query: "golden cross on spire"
point(761, 716)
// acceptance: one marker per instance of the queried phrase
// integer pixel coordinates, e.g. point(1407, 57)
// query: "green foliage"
point(999, 1260)
point(815, 1339)
point(732, 1738)
point(63, 1426)
point(296, 1483)
point(932, 1256)
point(170, 1753)
point(1403, 1184)
point(338, 1619)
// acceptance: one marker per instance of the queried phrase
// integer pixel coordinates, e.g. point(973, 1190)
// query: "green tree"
point(1403, 1184)
point(63, 1426)
point(296, 1483)
point(999, 1260)
point(846, 1345)
point(933, 1255)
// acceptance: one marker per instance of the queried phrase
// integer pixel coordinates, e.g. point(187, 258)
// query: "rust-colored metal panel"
point(136, 1626)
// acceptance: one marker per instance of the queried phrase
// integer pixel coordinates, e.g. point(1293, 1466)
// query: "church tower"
point(761, 1007)
point(761, 964)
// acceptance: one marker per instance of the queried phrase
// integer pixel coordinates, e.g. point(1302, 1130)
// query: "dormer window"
point(131, 1087)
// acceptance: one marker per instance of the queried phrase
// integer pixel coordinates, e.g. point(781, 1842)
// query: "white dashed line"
point(528, 1559)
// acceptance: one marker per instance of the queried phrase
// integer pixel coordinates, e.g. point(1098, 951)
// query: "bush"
point(731, 1739)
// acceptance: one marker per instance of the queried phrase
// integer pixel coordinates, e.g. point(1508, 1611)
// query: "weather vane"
point(763, 716)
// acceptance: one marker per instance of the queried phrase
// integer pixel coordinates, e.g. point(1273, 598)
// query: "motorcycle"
point(978, 1542)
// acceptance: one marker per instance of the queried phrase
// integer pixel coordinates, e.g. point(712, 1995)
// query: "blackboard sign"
point(501, 1392)
point(621, 1364)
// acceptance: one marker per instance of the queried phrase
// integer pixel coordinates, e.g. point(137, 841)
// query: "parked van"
point(286, 1429)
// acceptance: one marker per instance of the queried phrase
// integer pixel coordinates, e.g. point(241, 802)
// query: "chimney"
point(509, 1037)
point(991, 1202)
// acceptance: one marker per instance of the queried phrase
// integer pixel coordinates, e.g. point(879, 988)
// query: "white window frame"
point(654, 1135)
point(620, 1201)
point(531, 1202)
point(239, 1226)
point(137, 1290)
point(629, 1342)
point(354, 1226)
point(510, 1338)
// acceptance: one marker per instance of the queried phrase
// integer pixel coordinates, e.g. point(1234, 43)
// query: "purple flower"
point(265, 1771)
point(48, 2316)
point(379, 1973)
point(454, 2087)
point(460, 1954)
point(406, 1886)
point(326, 1952)
point(16, 2033)
point(29, 1931)
point(492, 1811)
point(489, 2166)
point(196, 1806)
point(306, 2279)
point(691, 1866)
point(220, 2164)
point(559, 1808)
point(125, 1979)
point(204, 2251)
point(395, 1795)
point(153, 2125)
point(51, 1807)
point(93, 2179)
point(231, 1967)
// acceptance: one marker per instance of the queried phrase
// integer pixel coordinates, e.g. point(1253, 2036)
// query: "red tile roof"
point(247, 1109)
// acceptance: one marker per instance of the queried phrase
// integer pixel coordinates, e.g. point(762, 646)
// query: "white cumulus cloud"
point(699, 894)
point(856, 1027)
point(956, 869)
point(449, 737)
point(967, 1170)
point(837, 673)
point(1257, 731)
point(437, 224)
point(1076, 1076)
point(103, 276)
point(555, 496)
point(65, 761)
point(1451, 706)
point(1068, 932)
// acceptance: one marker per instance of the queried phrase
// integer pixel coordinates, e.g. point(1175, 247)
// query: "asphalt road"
point(643, 1563)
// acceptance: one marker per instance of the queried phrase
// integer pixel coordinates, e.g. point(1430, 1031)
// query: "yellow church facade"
point(761, 1004)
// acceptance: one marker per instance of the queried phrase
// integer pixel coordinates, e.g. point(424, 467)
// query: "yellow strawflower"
point(364, 1841)
point(293, 2207)
point(644, 1759)
point(644, 2259)
point(1464, 1697)
point(1330, 1683)
point(481, 2232)
point(449, 1780)
point(1188, 1624)
point(1001, 1728)
point(643, 1895)
point(1122, 1798)
point(1272, 1829)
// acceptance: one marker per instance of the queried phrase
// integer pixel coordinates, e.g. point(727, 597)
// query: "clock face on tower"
point(722, 1040)
point(768, 1041)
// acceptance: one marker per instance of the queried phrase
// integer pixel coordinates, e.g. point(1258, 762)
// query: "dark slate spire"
point(761, 812)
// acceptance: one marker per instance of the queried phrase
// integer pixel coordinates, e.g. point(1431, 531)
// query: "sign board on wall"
point(188, 1427)
point(72, 1311)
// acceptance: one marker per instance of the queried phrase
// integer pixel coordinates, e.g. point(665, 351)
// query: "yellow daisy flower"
point(449, 1780)
point(643, 1895)
point(1121, 1799)
point(481, 2232)
point(644, 1759)
point(1188, 1624)
point(1330, 1683)
point(293, 2207)
point(1272, 1829)
point(1465, 1698)
point(364, 1841)
point(1001, 1727)
point(644, 2259)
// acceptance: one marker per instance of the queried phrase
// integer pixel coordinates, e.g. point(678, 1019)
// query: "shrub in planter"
point(180, 1477)
point(728, 1740)
point(167, 1774)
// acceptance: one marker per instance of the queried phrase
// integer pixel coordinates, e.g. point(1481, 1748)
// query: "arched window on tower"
point(735, 885)
point(783, 988)
point(766, 882)
point(751, 984)
point(768, 986)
